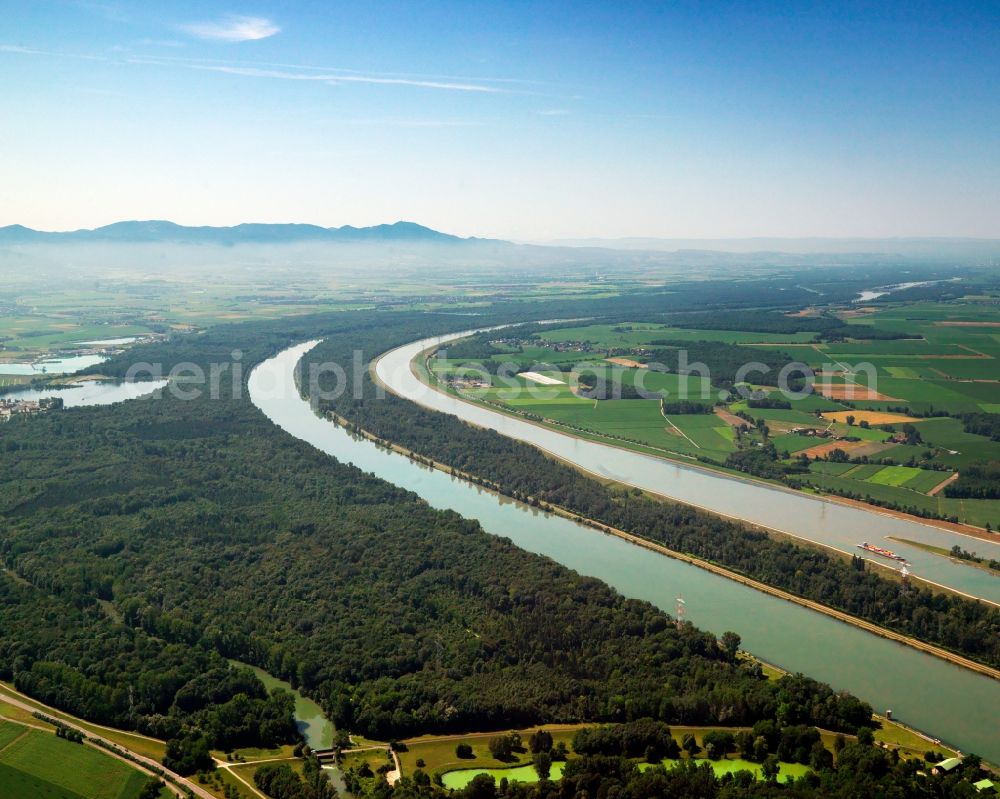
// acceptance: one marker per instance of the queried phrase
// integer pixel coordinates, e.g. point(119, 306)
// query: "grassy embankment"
point(35, 763)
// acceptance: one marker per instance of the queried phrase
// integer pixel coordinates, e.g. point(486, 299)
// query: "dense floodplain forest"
point(966, 626)
point(146, 543)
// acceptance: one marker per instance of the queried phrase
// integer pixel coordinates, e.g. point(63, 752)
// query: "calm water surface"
point(52, 366)
point(316, 728)
point(92, 392)
point(792, 512)
point(956, 705)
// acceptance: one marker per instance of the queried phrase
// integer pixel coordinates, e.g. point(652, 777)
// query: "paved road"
point(11, 699)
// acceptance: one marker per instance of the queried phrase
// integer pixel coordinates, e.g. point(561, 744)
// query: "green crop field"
point(964, 448)
point(925, 480)
point(638, 333)
point(831, 468)
point(792, 443)
point(35, 764)
point(894, 475)
point(10, 732)
point(882, 493)
point(922, 348)
point(862, 472)
point(938, 367)
point(793, 416)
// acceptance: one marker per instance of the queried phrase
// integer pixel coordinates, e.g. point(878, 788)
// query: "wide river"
point(802, 515)
point(952, 703)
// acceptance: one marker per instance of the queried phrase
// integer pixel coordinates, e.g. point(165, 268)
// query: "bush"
point(502, 747)
point(188, 754)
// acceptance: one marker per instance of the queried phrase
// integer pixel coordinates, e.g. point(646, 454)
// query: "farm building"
point(947, 766)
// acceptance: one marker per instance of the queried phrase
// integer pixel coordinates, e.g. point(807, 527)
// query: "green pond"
point(462, 777)
point(316, 728)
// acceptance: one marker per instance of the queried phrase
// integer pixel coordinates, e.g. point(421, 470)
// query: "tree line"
point(524, 472)
point(148, 542)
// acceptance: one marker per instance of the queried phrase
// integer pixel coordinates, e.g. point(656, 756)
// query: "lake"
point(52, 366)
point(91, 392)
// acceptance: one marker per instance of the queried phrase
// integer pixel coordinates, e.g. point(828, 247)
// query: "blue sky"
point(522, 120)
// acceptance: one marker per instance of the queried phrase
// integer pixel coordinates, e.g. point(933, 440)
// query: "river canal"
point(957, 705)
point(802, 515)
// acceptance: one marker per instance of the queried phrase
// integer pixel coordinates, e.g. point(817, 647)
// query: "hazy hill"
point(161, 232)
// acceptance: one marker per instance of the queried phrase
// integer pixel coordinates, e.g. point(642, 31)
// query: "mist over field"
point(45, 261)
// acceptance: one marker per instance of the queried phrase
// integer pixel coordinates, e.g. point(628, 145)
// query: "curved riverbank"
point(421, 371)
point(729, 574)
point(808, 517)
point(924, 691)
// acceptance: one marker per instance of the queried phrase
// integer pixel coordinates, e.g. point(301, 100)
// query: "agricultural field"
point(38, 320)
point(955, 365)
point(133, 741)
point(35, 763)
point(436, 755)
point(437, 752)
point(876, 401)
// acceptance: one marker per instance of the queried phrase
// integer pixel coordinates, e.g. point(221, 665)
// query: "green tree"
point(540, 741)
point(731, 644)
point(760, 749)
point(543, 764)
point(188, 754)
point(690, 745)
point(770, 768)
point(820, 757)
point(483, 786)
point(501, 747)
point(151, 790)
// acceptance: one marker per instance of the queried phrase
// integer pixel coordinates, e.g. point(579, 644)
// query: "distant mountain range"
point(159, 232)
point(772, 250)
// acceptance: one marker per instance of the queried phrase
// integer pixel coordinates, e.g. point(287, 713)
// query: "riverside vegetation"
point(144, 543)
point(966, 626)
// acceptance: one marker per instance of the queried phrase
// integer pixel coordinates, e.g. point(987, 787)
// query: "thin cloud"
point(160, 43)
point(233, 29)
point(327, 77)
point(334, 79)
point(191, 61)
point(414, 123)
point(19, 50)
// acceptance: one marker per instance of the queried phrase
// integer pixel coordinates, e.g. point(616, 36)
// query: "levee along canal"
point(948, 701)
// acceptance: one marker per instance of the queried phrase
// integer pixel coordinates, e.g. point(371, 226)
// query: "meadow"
point(947, 363)
point(35, 764)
